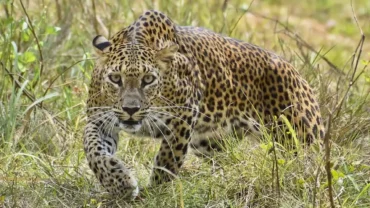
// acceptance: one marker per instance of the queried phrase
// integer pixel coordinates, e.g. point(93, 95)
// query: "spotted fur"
point(185, 85)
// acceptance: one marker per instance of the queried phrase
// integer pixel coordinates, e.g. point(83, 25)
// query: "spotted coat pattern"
point(185, 85)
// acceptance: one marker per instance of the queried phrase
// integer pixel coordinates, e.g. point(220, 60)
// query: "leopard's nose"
point(131, 110)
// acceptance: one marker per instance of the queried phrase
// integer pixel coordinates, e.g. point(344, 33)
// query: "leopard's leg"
point(207, 146)
point(100, 147)
point(172, 152)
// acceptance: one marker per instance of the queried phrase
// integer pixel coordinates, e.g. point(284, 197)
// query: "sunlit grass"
point(42, 163)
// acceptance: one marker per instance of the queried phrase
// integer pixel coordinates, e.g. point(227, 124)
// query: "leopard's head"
point(127, 78)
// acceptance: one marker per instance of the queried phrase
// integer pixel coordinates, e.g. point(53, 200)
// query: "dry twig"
point(32, 29)
point(354, 65)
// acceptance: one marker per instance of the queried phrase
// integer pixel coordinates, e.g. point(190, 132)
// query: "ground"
point(42, 163)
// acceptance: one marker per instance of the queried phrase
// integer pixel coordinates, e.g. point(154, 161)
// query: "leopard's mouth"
point(130, 125)
point(131, 122)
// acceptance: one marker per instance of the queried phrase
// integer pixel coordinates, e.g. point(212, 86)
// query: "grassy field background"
point(46, 63)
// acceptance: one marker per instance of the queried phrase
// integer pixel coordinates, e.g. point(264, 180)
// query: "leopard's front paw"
point(124, 185)
point(118, 179)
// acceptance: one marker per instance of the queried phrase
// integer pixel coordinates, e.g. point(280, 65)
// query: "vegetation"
point(46, 63)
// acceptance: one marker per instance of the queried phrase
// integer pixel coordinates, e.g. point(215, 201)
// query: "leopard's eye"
point(115, 78)
point(148, 79)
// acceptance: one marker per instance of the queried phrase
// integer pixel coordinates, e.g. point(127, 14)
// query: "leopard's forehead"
point(131, 59)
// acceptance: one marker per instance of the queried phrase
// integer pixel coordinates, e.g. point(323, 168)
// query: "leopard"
point(187, 86)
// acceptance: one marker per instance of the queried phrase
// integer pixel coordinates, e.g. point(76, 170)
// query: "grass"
point(46, 63)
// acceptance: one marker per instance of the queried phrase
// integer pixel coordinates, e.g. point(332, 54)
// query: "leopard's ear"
point(166, 55)
point(101, 44)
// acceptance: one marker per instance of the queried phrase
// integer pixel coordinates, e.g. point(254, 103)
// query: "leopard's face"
point(131, 78)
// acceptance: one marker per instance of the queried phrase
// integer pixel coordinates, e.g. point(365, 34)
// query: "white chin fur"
point(130, 128)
